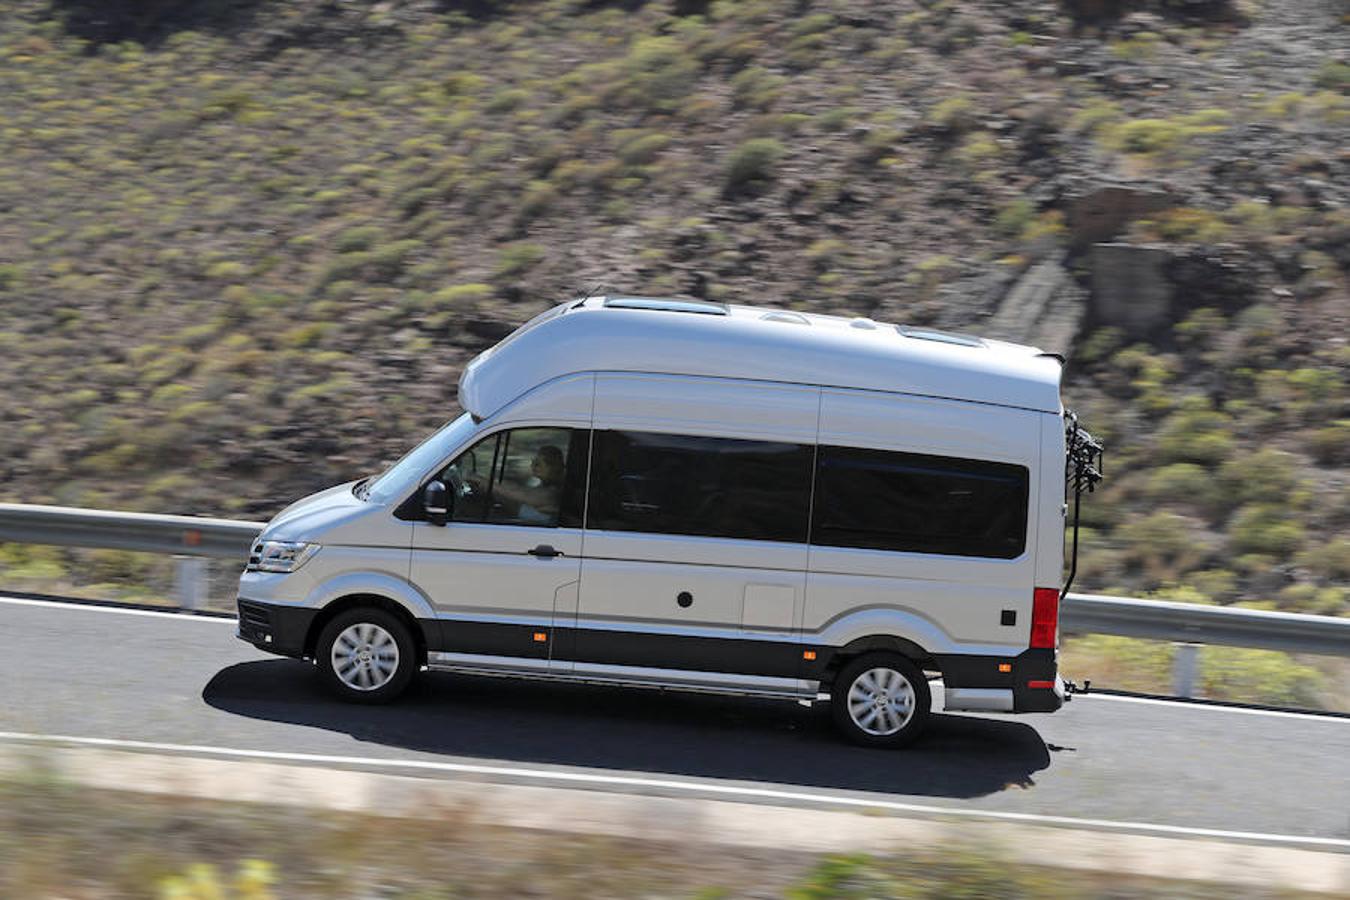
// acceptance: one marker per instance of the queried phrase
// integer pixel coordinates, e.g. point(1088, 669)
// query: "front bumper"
point(274, 627)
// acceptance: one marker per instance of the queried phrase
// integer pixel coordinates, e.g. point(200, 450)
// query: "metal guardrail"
point(1196, 623)
point(191, 539)
point(66, 526)
point(1188, 624)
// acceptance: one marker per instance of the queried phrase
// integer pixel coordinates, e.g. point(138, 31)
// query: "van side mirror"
point(436, 502)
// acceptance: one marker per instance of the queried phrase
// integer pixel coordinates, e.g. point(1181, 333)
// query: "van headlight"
point(280, 556)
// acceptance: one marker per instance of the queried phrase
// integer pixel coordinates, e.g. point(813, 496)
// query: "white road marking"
point(1156, 701)
point(1189, 704)
point(691, 787)
point(99, 607)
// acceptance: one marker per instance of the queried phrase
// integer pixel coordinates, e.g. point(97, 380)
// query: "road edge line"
point(664, 818)
point(804, 799)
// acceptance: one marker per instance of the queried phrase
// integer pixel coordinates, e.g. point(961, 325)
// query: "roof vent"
point(942, 337)
point(702, 307)
point(864, 324)
point(784, 316)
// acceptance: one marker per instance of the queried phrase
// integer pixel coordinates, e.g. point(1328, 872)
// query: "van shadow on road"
point(640, 731)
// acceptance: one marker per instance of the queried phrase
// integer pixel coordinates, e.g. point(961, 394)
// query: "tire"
point(887, 692)
point(355, 652)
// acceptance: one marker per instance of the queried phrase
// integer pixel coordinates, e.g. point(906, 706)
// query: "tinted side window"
point(526, 476)
point(924, 504)
point(703, 486)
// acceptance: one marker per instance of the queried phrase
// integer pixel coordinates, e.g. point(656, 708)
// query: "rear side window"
point(702, 486)
point(923, 504)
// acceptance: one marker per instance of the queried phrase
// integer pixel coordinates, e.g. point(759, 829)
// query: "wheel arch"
point(872, 643)
point(357, 601)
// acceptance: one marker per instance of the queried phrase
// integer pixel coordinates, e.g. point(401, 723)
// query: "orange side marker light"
point(1005, 667)
point(808, 654)
point(540, 637)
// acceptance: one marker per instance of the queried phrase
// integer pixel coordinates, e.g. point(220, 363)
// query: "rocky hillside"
point(245, 247)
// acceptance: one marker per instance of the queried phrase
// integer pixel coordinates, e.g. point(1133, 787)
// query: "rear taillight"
point(1044, 618)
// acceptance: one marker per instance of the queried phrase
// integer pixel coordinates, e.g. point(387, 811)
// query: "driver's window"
point(511, 478)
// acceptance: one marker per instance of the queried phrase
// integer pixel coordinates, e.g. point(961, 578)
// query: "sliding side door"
point(697, 515)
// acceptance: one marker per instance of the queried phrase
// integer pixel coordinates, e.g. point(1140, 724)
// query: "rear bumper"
point(1042, 699)
point(1032, 684)
point(275, 627)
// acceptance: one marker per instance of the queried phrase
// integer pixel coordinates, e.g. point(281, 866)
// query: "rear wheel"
point(367, 655)
point(880, 700)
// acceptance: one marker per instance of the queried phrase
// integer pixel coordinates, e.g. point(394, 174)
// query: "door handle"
point(544, 551)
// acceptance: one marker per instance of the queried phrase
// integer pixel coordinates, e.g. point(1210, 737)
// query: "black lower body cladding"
point(284, 630)
point(1031, 677)
point(275, 628)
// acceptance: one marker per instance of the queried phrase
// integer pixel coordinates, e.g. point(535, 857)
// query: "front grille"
point(254, 557)
point(254, 616)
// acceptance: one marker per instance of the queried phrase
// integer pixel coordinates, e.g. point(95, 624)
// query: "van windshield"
point(404, 474)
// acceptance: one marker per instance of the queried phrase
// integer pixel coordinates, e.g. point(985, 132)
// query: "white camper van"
point(690, 495)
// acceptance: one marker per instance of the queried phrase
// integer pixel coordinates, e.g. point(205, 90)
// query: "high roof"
point(631, 334)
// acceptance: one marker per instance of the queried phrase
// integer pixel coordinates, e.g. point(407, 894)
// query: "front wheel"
point(880, 700)
point(366, 655)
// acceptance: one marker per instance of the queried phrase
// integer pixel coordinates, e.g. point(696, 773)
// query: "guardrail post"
point(190, 581)
point(1185, 665)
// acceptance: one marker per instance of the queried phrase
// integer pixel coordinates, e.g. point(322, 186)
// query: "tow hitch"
point(1071, 688)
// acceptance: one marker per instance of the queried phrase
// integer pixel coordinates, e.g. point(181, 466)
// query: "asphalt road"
point(90, 672)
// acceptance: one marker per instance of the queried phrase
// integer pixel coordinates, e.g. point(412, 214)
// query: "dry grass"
point(60, 841)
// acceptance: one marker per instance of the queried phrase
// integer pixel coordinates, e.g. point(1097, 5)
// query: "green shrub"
point(1143, 45)
point(1144, 136)
point(306, 335)
point(1265, 528)
point(1160, 544)
point(836, 119)
point(1122, 663)
point(1186, 225)
point(1214, 585)
point(254, 880)
point(1331, 444)
point(1334, 76)
point(1094, 114)
point(756, 87)
point(460, 296)
point(539, 198)
point(1262, 476)
point(1184, 483)
point(752, 163)
point(1329, 560)
point(658, 72)
point(227, 271)
point(1260, 676)
point(31, 563)
point(387, 261)
point(507, 99)
point(514, 260)
point(1196, 434)
point(824, 252)
point(953, 114)
point(1015, 216)
point(9, 276)
point(643, 148)
point(363, 237)
point(976, 148)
